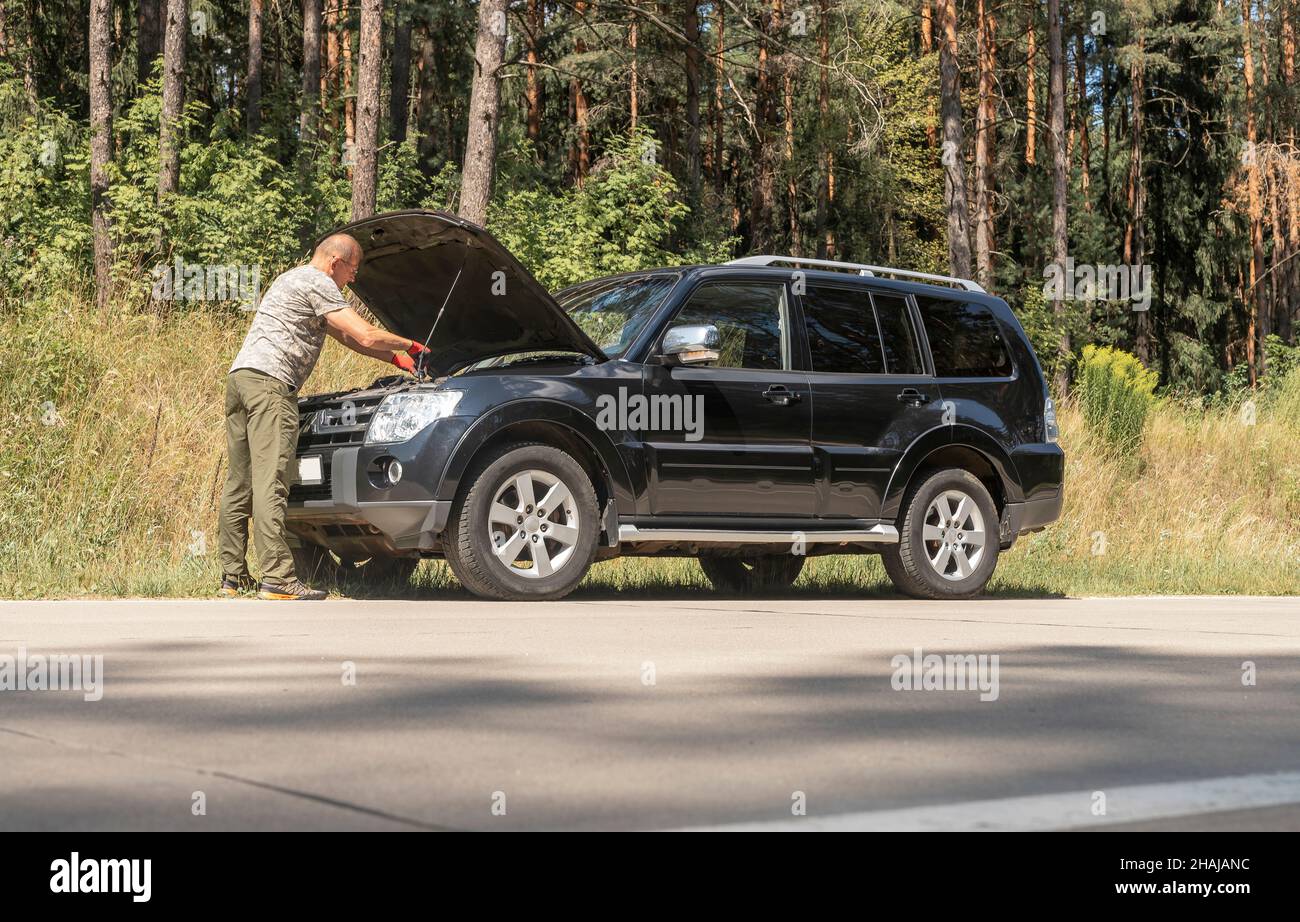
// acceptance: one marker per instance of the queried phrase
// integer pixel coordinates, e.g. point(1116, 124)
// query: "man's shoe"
point(233, 586)
point(294, 590)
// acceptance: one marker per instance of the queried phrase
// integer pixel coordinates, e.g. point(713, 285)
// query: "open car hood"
point(411, 263)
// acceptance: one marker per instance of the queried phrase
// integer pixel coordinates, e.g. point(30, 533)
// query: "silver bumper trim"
point(877, 534)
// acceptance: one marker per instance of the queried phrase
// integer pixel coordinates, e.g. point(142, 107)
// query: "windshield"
point(613, 311)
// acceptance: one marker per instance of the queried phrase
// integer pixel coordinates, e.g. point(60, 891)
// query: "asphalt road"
point(695, 712)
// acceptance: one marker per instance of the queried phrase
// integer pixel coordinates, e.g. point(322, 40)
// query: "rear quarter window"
point(966, 340)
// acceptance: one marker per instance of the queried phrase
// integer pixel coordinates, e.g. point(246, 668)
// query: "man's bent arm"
point(384, 355)
point(351, 329)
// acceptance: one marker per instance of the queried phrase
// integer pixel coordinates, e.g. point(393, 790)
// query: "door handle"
point(780, 395)
point(912, 397)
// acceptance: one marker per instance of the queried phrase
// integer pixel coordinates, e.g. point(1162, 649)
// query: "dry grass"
point(119, 497)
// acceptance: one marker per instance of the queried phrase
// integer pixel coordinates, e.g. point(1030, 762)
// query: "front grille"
point(332, 423)
point(323, 426)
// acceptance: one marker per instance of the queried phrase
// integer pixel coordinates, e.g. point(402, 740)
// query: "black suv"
point(750, 414)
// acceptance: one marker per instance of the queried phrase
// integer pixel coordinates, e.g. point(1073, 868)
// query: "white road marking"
point(1051, 811)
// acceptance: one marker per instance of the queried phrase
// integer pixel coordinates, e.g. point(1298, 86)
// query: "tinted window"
point(902, 357)
point(965, 340)
point(750, 317)
point(842, 332)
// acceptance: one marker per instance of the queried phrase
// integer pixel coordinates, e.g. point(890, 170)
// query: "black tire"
point(753, 575)
point(911, 563)
point(313, 563)
point(470, 544)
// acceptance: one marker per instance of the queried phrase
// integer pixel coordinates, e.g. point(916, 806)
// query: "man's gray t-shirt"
point(288, 329)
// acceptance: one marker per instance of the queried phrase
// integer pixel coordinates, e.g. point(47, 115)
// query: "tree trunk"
point(148, 41)
point(1291, 114)
point(1258, 305)
point(1085, 118)
point(329, 85)
point(253, 85)
point(954, 169)
point(425, 101)
point(719, 81)
point(634, 91)
point(533, 89)
point(349, 100)
point(29, 57)
point(309, 114)
point(101, 145)
point(823, 113)
point(370, 63)
point(1031, 88)
point(693, 57)
point(1136, 196)
point(927, 48)
point(1060, 232)
point(484, 111)
point(985, 143)
point(173, 101)
point(580, 151)
point(399, 97)
point(760, 207)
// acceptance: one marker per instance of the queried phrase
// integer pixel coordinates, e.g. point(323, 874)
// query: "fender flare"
point(948, 437)
point(618, 482)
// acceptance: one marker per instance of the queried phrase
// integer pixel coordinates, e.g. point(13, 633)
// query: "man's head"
point(339, 257)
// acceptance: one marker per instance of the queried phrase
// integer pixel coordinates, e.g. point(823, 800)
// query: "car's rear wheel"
point(752, 575)
point(313, 563)
point(526, 527)
point(948, 540)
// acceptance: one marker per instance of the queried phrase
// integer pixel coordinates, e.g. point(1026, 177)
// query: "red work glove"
point(404, 362)
point(414, 349)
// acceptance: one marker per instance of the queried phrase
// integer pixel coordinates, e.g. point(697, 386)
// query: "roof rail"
point(861, 269)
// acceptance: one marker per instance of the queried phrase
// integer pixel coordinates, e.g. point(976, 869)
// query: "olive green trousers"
point(261, 440)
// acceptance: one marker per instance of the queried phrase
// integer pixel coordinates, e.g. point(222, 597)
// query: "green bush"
point(625, 216)
point(1116, 392)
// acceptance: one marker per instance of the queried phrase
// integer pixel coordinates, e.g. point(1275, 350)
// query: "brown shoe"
point(235, 586)
point(294, 590)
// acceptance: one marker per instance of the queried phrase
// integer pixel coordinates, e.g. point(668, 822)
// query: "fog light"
point(394, 471)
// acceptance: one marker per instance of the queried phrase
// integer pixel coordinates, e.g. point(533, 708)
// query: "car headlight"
point(401, 416)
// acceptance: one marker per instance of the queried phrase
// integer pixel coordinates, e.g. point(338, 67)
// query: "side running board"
point(878, 534)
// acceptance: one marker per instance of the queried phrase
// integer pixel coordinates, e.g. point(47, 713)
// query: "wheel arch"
point(961, 447)
point(552, 423)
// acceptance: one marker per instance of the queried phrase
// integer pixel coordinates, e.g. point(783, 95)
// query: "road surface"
point(691, 711)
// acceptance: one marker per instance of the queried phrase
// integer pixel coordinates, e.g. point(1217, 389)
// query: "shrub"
point(625, 216)
point(1116, 393)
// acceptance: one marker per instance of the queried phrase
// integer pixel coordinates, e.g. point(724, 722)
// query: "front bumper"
point(356, 512)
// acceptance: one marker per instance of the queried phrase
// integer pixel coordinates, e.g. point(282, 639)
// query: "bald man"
point(281, 348)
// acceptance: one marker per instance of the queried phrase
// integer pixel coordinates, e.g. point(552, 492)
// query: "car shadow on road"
point(684, 582)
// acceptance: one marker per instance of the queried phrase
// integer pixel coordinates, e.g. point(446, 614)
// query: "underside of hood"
point(415, 261)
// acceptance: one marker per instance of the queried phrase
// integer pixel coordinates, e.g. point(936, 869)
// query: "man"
point(281, 348)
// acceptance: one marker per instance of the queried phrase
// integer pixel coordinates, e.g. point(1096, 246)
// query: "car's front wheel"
point(948, 540)
point(752, 575)
point(526, 527)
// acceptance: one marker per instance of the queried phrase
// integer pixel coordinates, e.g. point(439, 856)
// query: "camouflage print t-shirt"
point(289, 327)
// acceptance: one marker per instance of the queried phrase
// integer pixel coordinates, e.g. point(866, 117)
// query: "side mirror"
point(692, 344)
